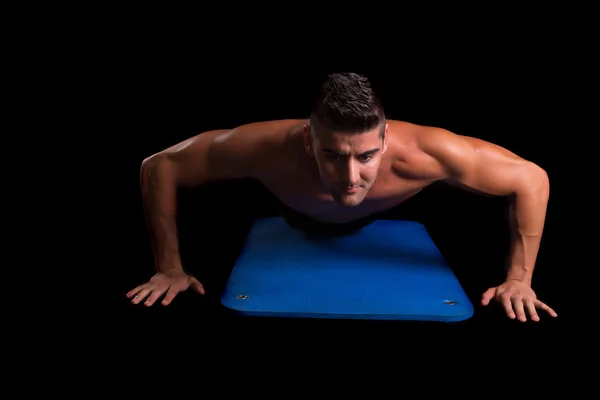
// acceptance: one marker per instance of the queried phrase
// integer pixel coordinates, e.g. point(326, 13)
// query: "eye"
point(364, 158)
point(333, 157)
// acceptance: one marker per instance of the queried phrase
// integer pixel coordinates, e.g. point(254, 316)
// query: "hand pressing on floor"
point(517, 298)
point(171, 282)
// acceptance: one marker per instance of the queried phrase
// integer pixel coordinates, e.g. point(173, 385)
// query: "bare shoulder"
point(435, 153)
point(446, 146)
point(408, 151)
point(244, 142)
point(257, 147)
point(264, 142)
point(429, 151)
point(422, 137)
point(259, 134)
point(242, 152)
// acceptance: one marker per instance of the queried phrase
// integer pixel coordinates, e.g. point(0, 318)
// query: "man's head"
point(347, 136)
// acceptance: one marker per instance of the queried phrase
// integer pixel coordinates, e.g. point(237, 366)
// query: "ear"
point(308, 141)
point(385, 138)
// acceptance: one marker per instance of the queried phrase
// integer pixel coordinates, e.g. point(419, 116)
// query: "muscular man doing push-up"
point(335, 171)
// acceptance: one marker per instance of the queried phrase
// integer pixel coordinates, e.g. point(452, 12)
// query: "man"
point(334, 172)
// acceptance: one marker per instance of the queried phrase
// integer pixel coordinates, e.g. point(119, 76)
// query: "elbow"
point(536, 180)
point(148, 164)
point(146, 169)
point(155, 169)
point(152, 159)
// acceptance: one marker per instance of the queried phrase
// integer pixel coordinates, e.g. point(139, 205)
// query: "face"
point(348, 163)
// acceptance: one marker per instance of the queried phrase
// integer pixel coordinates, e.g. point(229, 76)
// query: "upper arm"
point(480, 165)
point(218, 155)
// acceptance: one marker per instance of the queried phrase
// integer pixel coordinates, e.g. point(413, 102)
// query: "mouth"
point(352, 189)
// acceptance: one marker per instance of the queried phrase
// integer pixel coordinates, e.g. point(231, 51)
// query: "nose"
point(352, 175)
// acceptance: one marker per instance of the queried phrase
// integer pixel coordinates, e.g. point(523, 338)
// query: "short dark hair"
point(347, 103)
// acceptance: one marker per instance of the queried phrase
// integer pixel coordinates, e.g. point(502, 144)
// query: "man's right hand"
point(171, 283)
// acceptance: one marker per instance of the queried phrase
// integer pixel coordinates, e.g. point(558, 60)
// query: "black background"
point(163, 103)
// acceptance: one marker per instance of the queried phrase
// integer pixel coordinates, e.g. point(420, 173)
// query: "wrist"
point(169, 268)
point(526, 280)
point(519, 272)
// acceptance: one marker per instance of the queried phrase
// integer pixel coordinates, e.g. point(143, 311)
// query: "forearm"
point(527, 216)
point(159, 194)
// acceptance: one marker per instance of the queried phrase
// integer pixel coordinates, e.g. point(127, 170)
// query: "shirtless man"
point(335, 171)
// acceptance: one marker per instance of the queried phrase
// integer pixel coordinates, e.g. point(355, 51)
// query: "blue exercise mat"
point(389, 270)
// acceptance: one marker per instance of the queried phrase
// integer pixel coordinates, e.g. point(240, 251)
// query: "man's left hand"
point(516, 297)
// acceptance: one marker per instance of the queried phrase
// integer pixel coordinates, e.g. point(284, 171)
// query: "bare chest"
point(308, 199)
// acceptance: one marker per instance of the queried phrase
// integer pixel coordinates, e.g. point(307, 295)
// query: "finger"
point(197, 286)
point(542, 306)
point(487, 296)
point(142, 295)
point(519, 309)
point(532, 311)
point(156, 293)
point(135, 291)
point(507, 304)
point(171, 293)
